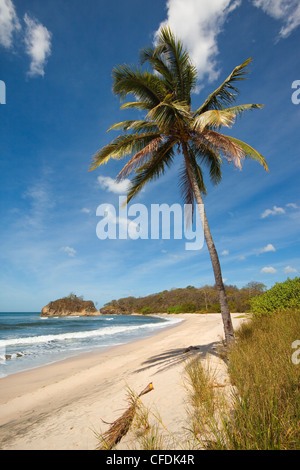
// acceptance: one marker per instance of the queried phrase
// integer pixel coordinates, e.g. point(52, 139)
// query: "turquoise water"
point(28, 341)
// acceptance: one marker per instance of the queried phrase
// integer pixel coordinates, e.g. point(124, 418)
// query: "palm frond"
point(121, 146)
point(120, 427)
point(140, 105)
point(176, 57)
point(139, 158)
point(215, 119)
point(196, 170)
point(226, 93)
point(223, 145)
point(137, 126)
point(155, 167)
point(185, 185)
point(185, 181)
point(250, 152)
point(166, 113)
point(145, 86)
point(240, 109)
point(206, 154)
point(158, 64)
point(187, 192)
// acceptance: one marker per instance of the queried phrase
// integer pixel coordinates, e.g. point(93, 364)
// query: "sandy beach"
point(61, 406)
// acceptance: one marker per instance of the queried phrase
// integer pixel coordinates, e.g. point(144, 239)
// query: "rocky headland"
point(70, 306)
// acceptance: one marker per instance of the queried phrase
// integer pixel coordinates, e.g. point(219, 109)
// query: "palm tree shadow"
point(173, 357)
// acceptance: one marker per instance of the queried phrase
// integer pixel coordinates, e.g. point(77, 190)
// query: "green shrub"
point(188, 307)
point(175, 309)
point(145, 310)
point(214, 308)
point(283, 295)
point(232, 306)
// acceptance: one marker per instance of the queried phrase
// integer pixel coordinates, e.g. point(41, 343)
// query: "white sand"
point(61, 405)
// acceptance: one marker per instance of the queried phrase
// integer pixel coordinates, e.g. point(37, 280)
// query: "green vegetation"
point(252, 297)
point(188, 300)
point(186, 307)
point(148, 431)
point(265, 410)
point(146, 310)
point(283, 295)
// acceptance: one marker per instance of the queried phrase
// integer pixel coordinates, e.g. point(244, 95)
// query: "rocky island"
point(70, 306)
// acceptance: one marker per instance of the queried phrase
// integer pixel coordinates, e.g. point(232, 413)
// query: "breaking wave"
point(107, 331)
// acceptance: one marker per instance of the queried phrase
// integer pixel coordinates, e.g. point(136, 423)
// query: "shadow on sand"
point(173, 357)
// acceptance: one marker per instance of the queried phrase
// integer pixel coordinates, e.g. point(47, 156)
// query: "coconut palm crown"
point(170, 127)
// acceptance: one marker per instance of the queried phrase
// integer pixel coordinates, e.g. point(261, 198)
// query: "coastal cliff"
point(70, 306)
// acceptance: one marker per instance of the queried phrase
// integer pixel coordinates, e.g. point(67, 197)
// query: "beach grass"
point(147, 431)
point(263, 412)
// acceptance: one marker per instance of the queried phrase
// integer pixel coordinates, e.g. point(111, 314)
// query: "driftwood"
point(119, 428)
point(191, 348)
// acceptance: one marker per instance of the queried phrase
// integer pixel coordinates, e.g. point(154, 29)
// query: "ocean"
point(28, 341)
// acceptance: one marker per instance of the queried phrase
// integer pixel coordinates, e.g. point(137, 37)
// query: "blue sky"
point(56, 60)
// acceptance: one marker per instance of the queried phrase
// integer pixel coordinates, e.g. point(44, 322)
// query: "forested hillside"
point(187, 300)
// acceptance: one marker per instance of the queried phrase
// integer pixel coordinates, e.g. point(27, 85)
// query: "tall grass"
point(148, 432)
point(264, 412)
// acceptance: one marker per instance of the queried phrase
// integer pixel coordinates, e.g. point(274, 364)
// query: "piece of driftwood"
point(119, 428)
point(191, 348)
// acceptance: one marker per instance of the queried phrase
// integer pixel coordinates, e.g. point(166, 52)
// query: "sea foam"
point(108, 331)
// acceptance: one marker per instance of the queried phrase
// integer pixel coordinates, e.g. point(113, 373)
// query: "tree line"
point(187, 300)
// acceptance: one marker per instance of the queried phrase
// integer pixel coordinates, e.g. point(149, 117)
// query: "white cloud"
point(289, 270)
point(37, 44)
point(112, 186)
point(69, 250)
point(268, 270)
point(267, 248)
point(276, 210)
point(36, 37)
point(9, 23)
point(85, 210)
point(197, 24)
point(286, 10)
point(225, 252)
point(292, 205)
point(242, 258)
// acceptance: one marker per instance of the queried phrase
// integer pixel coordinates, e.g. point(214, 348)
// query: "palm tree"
point(163, 94)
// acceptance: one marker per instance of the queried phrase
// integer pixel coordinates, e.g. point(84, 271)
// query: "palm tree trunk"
point(225, 312)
